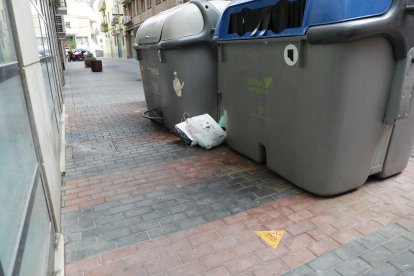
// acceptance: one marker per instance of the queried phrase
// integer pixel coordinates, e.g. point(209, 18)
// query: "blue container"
point(298, 15)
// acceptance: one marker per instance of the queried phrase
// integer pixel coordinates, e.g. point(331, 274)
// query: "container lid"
point(250, 19)
point(181, 21)
point(150, 30)
point(220, 6)
point(186, 20)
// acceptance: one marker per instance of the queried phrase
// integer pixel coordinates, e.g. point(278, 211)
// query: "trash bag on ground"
point(205, 130)
point(200, 130)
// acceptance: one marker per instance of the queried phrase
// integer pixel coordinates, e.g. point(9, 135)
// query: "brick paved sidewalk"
point(138, 202)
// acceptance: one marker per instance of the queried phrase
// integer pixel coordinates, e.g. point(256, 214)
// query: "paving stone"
point(408, 273)
point(138, 212)
point(126, 222)
point(330, 273)
point(213, 215)
point(353, 267)
point(155, 215)
point(113, 235)
point(399, 244)
point(392, 230)
point(371, 240)
point(303, 270)
point(90, 233)
point(109, 218)
point(73, 255)
point(384, 269)
point(121, 209)
point(73, 237)
point(168, 229)
point(80, 244)
point(132, 239)
point(101, 247)
point(350, 250)
point(403, 261)
point(80, 226)
point(106, 206)
point(193, 221)
point(164, 205)
point(144, 226)
point(325, 262)
point(183, 207)
point(376, 255)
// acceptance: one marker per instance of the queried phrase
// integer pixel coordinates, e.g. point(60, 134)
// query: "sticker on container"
point(291, 55)
point(260, 86)
point(272, 238)
point(142, 71)
point(178, 85)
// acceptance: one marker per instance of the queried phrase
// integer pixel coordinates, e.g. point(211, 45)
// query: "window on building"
point(149, 4)
point(7, 53)
point(67, 25)
point(142, 2)
point(25, 228)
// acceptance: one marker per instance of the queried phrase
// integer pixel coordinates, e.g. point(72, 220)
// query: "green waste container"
point(178, 60)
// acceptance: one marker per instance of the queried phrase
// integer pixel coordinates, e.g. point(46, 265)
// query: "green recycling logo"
point(259, 86)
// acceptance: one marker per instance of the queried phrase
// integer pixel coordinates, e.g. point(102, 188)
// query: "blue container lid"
point(252, 19)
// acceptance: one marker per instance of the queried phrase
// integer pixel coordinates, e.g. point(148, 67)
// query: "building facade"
point(112, 31)
point(82, 27)
point(31, 108)
point(136, 12)
point(121, 19)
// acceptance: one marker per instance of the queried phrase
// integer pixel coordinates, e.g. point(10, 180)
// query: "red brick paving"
point(229, 246)
point(89, 191)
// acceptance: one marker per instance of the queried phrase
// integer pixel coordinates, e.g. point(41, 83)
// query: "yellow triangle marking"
point(271, 237)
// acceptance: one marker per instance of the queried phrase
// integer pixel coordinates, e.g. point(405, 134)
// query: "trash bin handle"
point(151, 117)
point(410, 8)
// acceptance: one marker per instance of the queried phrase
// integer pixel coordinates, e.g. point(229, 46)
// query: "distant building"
point(82, 27)
point(130, 15)
point(112, 30)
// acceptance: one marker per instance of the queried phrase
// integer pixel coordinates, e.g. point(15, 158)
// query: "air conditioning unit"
point(127, 20)
point(60, 26)
point(179, 2)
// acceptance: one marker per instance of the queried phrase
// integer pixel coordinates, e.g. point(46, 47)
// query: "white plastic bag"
point(181, 130)
point(205, 130)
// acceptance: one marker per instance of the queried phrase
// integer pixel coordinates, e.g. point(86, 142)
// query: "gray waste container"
point(319, 90)
point(178, 61)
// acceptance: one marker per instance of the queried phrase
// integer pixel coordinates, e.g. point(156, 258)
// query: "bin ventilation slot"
point(284, 15)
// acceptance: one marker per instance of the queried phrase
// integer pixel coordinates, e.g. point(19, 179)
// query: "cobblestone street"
point(136, 201)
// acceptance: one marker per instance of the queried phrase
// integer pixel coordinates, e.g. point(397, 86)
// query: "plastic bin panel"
point(319, 124)
point(152, 70)
point(196, 70)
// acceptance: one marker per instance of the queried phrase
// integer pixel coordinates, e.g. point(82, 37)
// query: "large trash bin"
point(319, 90)
point(178, 61)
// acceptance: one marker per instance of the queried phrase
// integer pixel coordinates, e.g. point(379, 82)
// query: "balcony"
point(61, 7)
point(127, 20)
